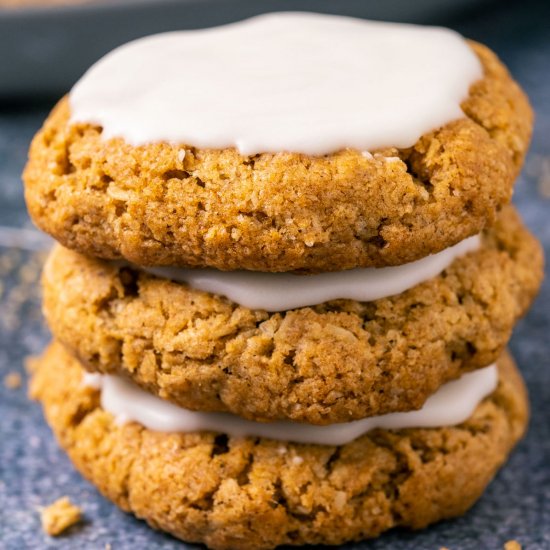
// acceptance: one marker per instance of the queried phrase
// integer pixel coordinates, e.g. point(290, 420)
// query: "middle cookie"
point(333, 362)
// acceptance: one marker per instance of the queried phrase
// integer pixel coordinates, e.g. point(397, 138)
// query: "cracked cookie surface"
point(233, 493)
point(168, 204)
point(335, 362)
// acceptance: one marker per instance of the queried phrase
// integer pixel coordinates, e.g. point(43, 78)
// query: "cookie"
point(163, 204)
point(258, 494)
point(334, 362)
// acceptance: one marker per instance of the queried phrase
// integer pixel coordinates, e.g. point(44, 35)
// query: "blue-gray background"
point(34, 472)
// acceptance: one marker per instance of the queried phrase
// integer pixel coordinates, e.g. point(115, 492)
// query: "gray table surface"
point(34, 472)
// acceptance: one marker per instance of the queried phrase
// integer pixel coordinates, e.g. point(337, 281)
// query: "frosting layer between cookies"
point(450, 405)
point(300, 82)
point(286, 291)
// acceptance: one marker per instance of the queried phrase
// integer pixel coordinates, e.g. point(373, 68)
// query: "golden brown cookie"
point(167, 204)
point(335, 362)
point(246, 493)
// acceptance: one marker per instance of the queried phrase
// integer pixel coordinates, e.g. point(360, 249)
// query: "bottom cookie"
point(253, 493)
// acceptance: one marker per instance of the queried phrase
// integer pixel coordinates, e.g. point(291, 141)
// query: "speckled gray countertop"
point(34, 472)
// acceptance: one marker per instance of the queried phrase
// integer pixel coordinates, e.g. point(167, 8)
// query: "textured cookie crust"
point(164, 204)
point(332, 363)
point(246, 493)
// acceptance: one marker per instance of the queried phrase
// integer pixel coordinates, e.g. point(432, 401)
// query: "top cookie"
point(178, 204)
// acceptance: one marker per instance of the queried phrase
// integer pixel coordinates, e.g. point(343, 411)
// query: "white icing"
point(299, 82)
point(284, 291)
point(92, 380)
point(452, 404)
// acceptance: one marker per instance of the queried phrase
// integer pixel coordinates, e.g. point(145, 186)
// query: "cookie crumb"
point(512, 545)
point(59, 516)
point(12, 380)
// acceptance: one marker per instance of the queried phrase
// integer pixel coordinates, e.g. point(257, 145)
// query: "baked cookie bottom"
point(233, 493)
point(175, 204)
point(335, 362)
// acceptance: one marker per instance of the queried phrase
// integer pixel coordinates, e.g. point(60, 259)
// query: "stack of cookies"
point(287, 275)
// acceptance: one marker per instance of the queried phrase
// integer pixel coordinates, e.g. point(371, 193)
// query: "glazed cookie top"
point(296, 82)
point(203, 192)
